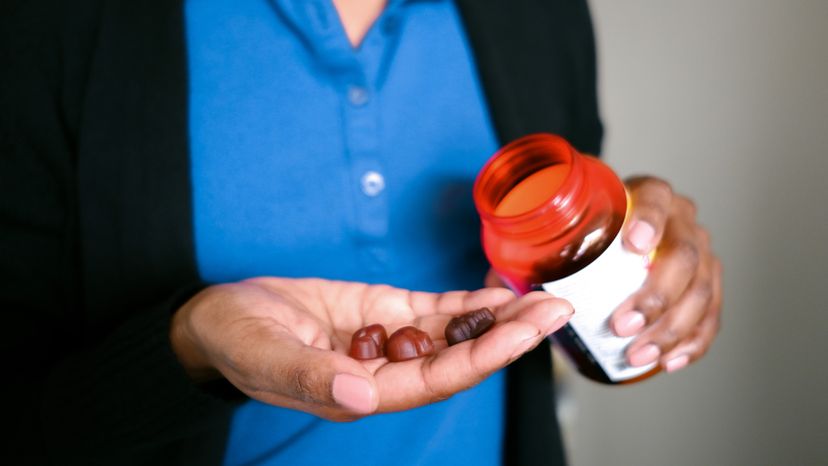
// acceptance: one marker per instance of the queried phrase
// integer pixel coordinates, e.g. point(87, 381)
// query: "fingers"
point(503, 305)
point(389, 306)
point(675, 314)
point(679, 322)
point(685, 329)
point(694, 348)
point(651, 202)
point(421, 381)
point(458, 302)
point(512, 309)
point(677, 264)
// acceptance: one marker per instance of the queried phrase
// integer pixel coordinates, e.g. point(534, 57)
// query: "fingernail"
point(559, 322)
point(559, 311)
point(641, 235)
point(629, 323)
point(677, 363)
point(524, 347)
point(354, 393)
point(644, 355)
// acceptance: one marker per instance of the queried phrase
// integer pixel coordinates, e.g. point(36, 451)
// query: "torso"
point(314, 158)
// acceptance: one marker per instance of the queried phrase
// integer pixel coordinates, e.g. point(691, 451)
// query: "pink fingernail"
point(645, 355)
point(524, 346)
point(354, 393)
point(677, 363)
point(641, 235)
point(559, 322)
point(629, 323)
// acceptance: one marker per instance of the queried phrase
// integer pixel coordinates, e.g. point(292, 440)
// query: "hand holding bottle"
point(564, 222)
point(676, 313)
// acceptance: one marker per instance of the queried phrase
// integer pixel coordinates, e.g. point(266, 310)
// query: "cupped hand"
point(676, 313)
point(285, 342)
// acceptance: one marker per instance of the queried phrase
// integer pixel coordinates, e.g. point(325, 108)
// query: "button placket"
point(367, 178)
point(362, 126)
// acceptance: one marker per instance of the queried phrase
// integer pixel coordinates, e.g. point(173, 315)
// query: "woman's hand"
point(676, 313)
point(285, 342)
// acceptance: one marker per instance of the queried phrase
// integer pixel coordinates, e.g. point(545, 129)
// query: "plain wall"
point(728, 100)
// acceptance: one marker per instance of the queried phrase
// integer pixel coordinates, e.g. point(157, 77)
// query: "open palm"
point(285, 341)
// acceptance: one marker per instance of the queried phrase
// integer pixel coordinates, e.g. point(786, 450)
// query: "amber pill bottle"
point(551, 220)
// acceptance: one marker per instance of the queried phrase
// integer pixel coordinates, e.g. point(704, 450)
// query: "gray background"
point(727, 99)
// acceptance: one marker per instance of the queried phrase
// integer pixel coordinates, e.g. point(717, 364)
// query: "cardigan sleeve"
point(75, 390)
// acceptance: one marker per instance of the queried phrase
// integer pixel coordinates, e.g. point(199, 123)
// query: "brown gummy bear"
point(469, 325)
point(408, 343)
point(368, 342)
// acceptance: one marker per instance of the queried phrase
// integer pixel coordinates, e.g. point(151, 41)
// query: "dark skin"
point(285, 342)
point(676, 313)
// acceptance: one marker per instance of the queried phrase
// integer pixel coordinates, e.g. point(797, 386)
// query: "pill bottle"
point(551, 220)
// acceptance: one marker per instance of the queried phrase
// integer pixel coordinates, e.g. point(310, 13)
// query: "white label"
point(595, 292)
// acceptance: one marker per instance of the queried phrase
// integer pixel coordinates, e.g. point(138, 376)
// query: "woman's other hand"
point(285, 342)
point(676, 313)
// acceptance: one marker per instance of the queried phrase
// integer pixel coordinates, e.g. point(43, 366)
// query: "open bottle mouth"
point(508, 171)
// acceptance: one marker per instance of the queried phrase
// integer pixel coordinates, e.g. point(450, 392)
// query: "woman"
point(160, 154)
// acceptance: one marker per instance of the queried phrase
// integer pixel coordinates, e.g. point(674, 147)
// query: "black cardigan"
point(96, 240)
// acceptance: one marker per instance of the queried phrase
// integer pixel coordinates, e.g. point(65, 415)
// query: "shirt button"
point(357, 95)
point(372, 183)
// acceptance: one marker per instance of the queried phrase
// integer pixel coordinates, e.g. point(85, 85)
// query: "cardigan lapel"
point(134, 165)
point(537, 64)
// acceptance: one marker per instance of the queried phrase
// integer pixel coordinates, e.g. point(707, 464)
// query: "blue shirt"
point(312, 158)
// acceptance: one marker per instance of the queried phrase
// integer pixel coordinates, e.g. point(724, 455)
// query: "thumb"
point(651, 199)
point(316, 376)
